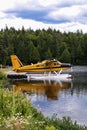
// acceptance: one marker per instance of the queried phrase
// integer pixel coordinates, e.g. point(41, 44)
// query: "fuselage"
point(45, 66)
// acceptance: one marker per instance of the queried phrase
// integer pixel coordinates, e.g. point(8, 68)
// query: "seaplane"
point(45, 70)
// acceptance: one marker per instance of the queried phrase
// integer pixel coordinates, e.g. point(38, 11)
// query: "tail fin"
point(16, 63)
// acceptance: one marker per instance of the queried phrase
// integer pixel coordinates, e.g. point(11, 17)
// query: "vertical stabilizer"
point(16, 63)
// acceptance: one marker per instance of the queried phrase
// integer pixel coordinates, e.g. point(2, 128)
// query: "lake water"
point(62, 98)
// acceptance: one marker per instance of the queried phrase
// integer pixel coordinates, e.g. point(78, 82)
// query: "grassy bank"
point(16, 113)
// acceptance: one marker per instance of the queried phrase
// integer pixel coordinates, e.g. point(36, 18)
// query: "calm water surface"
point(62, 98)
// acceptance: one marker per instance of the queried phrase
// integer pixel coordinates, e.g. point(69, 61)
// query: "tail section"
point(16, 63)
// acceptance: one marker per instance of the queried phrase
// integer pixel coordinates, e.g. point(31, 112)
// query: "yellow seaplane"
point(46, 66)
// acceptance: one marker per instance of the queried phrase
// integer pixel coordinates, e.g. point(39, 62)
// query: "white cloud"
point(2, 15)
point(73, 13)
point(6, 4)
point(70, 15)
point(18, 23)
point(66, 12)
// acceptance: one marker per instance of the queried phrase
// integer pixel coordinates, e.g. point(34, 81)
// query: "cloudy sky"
point(63, 15)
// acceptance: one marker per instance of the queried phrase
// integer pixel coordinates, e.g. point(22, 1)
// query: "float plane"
point(46, 66)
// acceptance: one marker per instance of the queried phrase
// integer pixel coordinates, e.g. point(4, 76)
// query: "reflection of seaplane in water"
point(45, 70)
point(50, 90)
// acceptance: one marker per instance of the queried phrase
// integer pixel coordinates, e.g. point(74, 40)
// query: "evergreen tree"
point(33, 46)
point(65, 57)
point(48, 54)
point(33, 53)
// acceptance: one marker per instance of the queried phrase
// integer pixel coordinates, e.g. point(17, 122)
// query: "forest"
point(33, 46)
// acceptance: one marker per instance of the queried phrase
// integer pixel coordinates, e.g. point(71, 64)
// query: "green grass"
point(17, 113)
point(5, 70)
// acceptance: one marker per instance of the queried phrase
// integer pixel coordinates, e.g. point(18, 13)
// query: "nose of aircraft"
point(65, 65)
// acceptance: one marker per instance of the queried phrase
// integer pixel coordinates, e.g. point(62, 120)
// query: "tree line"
point(33, 46)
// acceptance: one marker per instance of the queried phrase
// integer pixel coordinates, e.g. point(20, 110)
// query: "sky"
point(63, 15)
